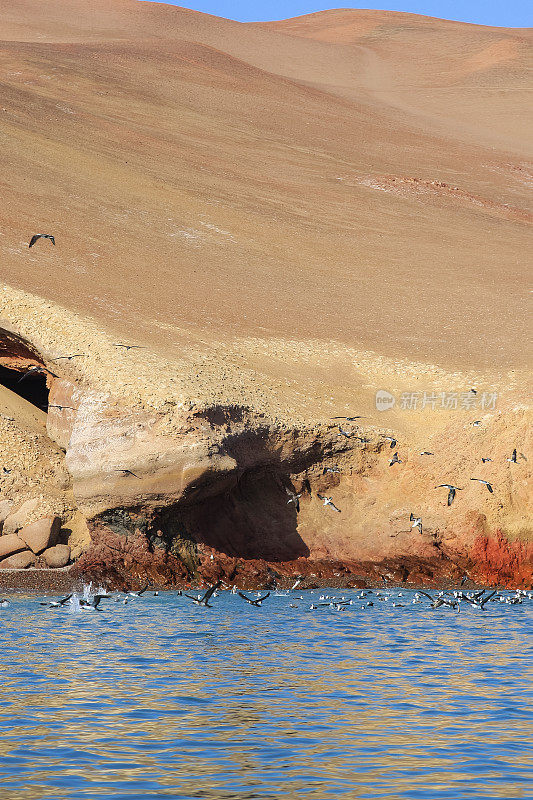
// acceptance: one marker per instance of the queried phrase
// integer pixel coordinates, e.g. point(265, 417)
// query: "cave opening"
point(32, 388)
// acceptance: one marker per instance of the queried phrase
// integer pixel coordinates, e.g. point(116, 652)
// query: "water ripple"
point(162, 699)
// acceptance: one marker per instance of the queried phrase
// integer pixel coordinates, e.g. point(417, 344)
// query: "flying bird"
point(330, 469)
point(451, 491)
point(392, 441)
point(253, 602)
point(328, 501)
point(294, 498)
point(439, 601)
point(484, 460)
point(71, 408)
point(426, 453)
point(36, 370)
point(140, 592)
point(348, 419)
point(37, 236)
point(514, 459)
point(6, 471)
point(478, 601)
point(476, 423)
point(67, 358)
point(417, 522)
point(92, 605)
point(395, 460)
point(204, 601)
point(348, 434)
point(57, 603)
point(127, 472)
point(487, 484)
point(130, 346)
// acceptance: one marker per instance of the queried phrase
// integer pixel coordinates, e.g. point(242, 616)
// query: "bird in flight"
point(484, 460)
point(58, 603)
point(451, 491)
point(514, 459)
point(426, 453)
point(330, 469)
point(252, 601)
point(487, 484)
point(328, 502)
point(37, 236)
point(437, 602)
point(204, 601)
point(67, 358)
point(395, 460)
point(417, 522)
point(348, 434)
point(130, 346)
point(92, 605)
point(392, 441)
point(348, 419)
point(140, 592)
point(294, 498)
point(127, 472)
point(476, 423)
point(6, 471)
point(36, 370)
point(71, 408)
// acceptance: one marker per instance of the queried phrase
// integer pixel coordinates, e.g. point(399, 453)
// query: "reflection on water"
point(163, 699)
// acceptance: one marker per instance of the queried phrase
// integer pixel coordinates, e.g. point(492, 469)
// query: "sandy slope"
point(198, 172)
point(287, 216)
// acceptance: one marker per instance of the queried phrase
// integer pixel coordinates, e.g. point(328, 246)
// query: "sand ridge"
point(212, 184)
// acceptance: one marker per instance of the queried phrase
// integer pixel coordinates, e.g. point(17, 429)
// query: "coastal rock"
point(5, 510)
point(41, 534)
point(57, 556)
point(21, 560)
point(17, 519)
point(10, 544)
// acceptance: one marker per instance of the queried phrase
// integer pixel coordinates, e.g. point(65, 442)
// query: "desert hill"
point(285, 216)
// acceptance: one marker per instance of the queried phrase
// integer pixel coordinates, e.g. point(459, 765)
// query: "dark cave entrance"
point(32, 388)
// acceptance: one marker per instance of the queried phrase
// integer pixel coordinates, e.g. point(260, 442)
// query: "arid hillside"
point(285, 218)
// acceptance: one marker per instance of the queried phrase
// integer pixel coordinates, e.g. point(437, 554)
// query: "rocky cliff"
point(260, 231)
point(174, 492)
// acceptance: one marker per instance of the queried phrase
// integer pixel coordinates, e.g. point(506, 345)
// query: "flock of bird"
point(89, 601)
point(416, 521)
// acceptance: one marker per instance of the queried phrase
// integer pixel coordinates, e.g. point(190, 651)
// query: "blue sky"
point(507, 13)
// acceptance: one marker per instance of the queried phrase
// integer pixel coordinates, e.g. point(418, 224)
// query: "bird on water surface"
point(253, 602)
point(204, 601)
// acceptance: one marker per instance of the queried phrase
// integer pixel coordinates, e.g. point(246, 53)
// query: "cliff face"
point(175, 495)
point(260, 228)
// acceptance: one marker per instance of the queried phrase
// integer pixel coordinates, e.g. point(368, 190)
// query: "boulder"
point(21, 560)
point(41, 534)
point(57, 556)
point(18, 518)
point(5, 510)
point(11, 544)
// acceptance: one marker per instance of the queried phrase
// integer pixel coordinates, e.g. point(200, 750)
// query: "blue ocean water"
point(160, 698)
